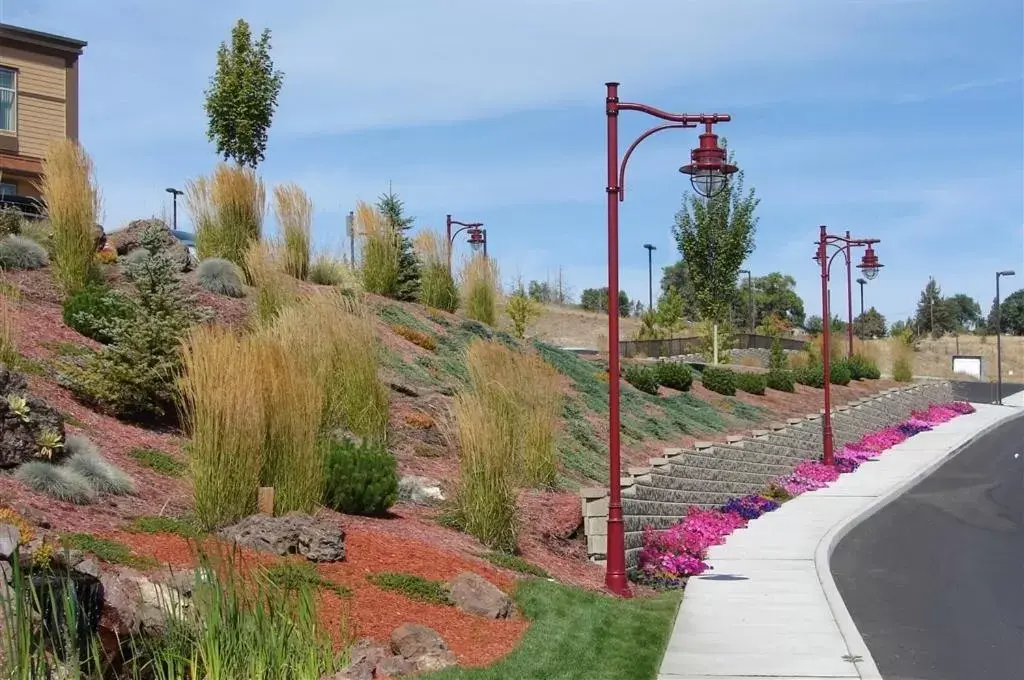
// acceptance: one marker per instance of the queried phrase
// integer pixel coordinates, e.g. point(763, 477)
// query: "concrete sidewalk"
point(769, 606)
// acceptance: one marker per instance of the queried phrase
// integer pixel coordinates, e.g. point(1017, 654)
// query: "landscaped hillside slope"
point(422, 360)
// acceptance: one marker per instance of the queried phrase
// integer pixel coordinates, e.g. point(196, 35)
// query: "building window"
point(8, 189)
point(8, 115)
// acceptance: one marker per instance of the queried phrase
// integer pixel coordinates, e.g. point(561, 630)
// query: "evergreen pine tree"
point(391, 206)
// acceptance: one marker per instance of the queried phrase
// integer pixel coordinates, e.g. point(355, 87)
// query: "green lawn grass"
point(580, 635)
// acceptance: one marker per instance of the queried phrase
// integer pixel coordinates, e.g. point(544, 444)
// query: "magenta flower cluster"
point(671, 555)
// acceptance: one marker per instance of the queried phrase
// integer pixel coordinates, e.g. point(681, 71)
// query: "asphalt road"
point(935, 580)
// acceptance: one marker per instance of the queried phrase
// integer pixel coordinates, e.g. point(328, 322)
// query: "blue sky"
point(897, 119)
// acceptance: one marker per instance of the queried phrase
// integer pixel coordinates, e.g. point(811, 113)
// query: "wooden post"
point(265, 500)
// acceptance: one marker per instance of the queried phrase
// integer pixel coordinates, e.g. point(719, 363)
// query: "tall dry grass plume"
point(222, 413)
point(901, 350)
point(336, 336)
point(294, 211)
point(293, 398)
point(227, 209)
point(480, 289)
point(329, 269)
point(68, 188)
point(381, 250)
point(264, 265)
point(437, 285)
point(507, 426)
point(9, 355)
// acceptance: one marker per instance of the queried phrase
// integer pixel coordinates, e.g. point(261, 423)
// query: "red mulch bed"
point(371, 611)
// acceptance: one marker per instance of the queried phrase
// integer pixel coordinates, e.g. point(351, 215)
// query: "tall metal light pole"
point(750, 290)
point(861, 282)
point(869, 265)
point(650, 275)
point(999, 336)
point(849, 300)
point(350, 229)
point(476, 235)
point(709, 172)
point(174, 202)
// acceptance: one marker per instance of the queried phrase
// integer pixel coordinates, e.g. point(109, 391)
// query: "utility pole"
point(350, 227)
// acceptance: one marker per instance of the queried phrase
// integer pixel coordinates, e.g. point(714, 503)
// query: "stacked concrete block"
point(708, 475)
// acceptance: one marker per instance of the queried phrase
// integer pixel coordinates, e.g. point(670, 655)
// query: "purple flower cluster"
point(671, 555)
point(750, 507)
point(681, 549)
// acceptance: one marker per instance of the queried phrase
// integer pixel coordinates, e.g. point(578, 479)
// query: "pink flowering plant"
point(668, 557)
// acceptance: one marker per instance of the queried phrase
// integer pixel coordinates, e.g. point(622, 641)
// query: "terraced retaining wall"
point(711, 473)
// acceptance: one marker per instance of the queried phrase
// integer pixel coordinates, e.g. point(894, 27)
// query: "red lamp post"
point(709, 172)
point(869, 266)
point(477, 236)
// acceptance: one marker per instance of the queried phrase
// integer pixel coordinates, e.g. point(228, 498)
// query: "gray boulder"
point(128, 238)
point(476, 595)
point(422, 647)
point(420, 490)
point(10, 539)
point(293, 534)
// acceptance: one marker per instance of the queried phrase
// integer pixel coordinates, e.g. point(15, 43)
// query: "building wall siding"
point(42, 99)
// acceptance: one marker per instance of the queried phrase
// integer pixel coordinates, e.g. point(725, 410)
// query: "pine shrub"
point(752, 383)
point(93, 309)
point(674, 375)
point(782, 380)
point(720, 380)
point(901, 370)
point(777, 360)
point(360, 479)
point(17, 252)
point(220, 276)
point(839, 372)
point(642, 377)
point(134, 375)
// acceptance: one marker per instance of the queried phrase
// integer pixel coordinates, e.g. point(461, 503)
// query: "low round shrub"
point(135, 257)
point(17, 252)
point(752, 383)
point(644, 378)
point(56, 481)
point(221, 277)
point(86, 310)
point(862, 368)
point(720, 380)
point(812, 375)
point(676, 376)
point(360, 479)
point(782, 380)
point(839, 372)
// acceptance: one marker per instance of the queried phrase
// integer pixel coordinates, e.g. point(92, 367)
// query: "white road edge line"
point(865, 664)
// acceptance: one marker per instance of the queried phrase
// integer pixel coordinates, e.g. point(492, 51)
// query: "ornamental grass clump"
point(228, 210)
point(275, 289)
point(437, 285)
point(381, 251)
point(480, 289)
point(221, 276)
point(72, 200)
point(294, 211)
point(225, 422)
point(507, 427)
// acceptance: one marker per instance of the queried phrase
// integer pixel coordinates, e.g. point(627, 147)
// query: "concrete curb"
point(864, 662)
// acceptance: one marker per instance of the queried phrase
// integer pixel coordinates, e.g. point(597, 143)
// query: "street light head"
point(173, 191)
point(743, 271)
point(869, 264)
point(1008, 272)
point(650, 247)
point(476, 239)
point(861, 281)
point(708, 170)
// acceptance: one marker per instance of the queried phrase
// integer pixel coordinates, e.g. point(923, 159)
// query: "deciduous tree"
point(242, 96)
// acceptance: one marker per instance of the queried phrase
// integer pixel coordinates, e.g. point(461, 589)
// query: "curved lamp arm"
point(636, 143)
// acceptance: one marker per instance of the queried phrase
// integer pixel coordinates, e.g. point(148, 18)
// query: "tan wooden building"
point(38, 102)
